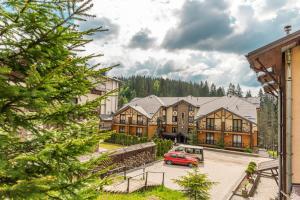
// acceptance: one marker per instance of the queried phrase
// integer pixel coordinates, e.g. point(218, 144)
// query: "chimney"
point(288, 29)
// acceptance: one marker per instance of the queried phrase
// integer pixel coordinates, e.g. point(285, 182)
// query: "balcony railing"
point(210, 127)
point(237, 129)
point(122, 121)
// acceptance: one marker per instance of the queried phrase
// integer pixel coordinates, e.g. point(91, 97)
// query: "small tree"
point(196, 185)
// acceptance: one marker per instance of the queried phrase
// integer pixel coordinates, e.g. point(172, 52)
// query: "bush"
point(220, 144)
point(123, 139)
point(162, 146)
point(251, 168)
point(248, 150)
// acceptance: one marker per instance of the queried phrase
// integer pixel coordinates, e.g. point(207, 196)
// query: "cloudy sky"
point(191, 40)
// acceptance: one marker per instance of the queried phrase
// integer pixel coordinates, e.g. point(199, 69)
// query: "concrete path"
point(223, 168)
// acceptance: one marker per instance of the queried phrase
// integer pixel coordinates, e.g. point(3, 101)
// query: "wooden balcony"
point(237, 129)
point(210, 128)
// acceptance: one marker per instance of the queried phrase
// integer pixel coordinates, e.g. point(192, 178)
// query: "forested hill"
point(141, 86)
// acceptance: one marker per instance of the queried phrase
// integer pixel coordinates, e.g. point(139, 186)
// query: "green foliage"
point(42, 130)
point(141, 86)
point(196, 185)
point(220, 144)
point(162, 146)
point(124, 139)
point(156, 193)
point(268, 121)
point(193, 138)
point(248, 150)
point(251, 168)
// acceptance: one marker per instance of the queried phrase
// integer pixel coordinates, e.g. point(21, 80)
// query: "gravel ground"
point(224, 168)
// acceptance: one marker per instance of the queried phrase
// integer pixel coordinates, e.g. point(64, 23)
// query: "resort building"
point(278, 69)
point(109, 105)
point(229, 121)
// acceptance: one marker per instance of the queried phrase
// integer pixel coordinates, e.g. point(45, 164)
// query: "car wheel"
point(191, 165)
point(169, 162)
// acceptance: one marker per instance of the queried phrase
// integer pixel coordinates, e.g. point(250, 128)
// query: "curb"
point(231, 152)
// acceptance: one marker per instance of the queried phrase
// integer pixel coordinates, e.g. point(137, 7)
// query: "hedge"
point(123, 139)
point(162, 146)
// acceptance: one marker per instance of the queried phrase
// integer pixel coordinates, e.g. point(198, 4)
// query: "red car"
point(180, 158)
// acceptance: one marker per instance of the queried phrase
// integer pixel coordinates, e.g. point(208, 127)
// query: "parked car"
point(193, 151)
point(179, 158)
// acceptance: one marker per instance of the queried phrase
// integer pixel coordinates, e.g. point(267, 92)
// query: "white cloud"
point(159, 16)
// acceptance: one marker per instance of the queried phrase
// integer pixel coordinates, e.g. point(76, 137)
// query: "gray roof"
point(106, 117)
point(244, 107)
point(233, 104)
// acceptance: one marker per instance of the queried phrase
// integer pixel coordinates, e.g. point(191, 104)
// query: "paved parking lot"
point(224, 168)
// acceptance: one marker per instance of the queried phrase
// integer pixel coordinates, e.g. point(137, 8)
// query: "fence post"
point(125, 173)
point(163, 179)
point(144, 168)
point(146, 179)
point(128, 180)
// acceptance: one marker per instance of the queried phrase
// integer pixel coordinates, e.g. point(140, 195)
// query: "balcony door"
point(210, 138)
point(210, 123)
point(237, 141)
point(237, 125)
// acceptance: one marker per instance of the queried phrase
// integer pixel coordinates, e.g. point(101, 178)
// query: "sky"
point(190, 40)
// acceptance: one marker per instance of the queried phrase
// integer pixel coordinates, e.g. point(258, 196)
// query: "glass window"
point(179, 149)
point(182, 115)
point(173, 155)
point(237, 140)
point(122, 118)
point(174, 130)
point(139, 131)
point(191, 108)
point(174, 118)
point(181, 156)
point(191, 119)
point(197, 151)
point(122, 129)
point(237, 125)
point(210, 123)
point(210, 138)
point(189, 150)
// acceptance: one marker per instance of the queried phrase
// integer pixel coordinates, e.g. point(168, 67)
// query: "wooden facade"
point(179, 120)
point(223, 128)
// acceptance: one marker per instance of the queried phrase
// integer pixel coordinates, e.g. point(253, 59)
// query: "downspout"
point(289, 120)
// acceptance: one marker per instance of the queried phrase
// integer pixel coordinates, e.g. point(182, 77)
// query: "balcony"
point(237, 129)
point(210, 127)
point(122, 121)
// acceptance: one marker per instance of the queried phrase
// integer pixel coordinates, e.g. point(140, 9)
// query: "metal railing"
point(237, 129)
point(210, 127)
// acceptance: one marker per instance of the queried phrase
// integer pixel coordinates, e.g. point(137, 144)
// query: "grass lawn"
point(110, 146)
point(157, 193)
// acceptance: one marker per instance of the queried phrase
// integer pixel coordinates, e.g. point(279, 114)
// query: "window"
point(140, 119)
point(189, 150)
point(181, 156)
point(210, 138)
point(210, 123)
point(190, 130)
point(164, 111)
point(191, 108)
point(237, 141)
point(174, 119)
point(122, 119)
point(139, 131)
point(182, 115)
point(237, 125)
point(179, 149)
point(175, 108)
point(173, 155)
point(191, 119)
point(122, 129)
point(174, 130)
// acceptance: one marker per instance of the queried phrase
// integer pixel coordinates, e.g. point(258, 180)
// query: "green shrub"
point(248, 150)
point(162, 146)
point(123, 139)
point(220, 144)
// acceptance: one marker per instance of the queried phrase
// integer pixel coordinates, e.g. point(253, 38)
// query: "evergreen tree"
point(231, 89)
point(213, 90)
point(248, 94)
point(239, 91)
point(42, 130)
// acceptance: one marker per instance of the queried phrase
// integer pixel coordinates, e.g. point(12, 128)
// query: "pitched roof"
point(233, 104)
point(244, 107)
